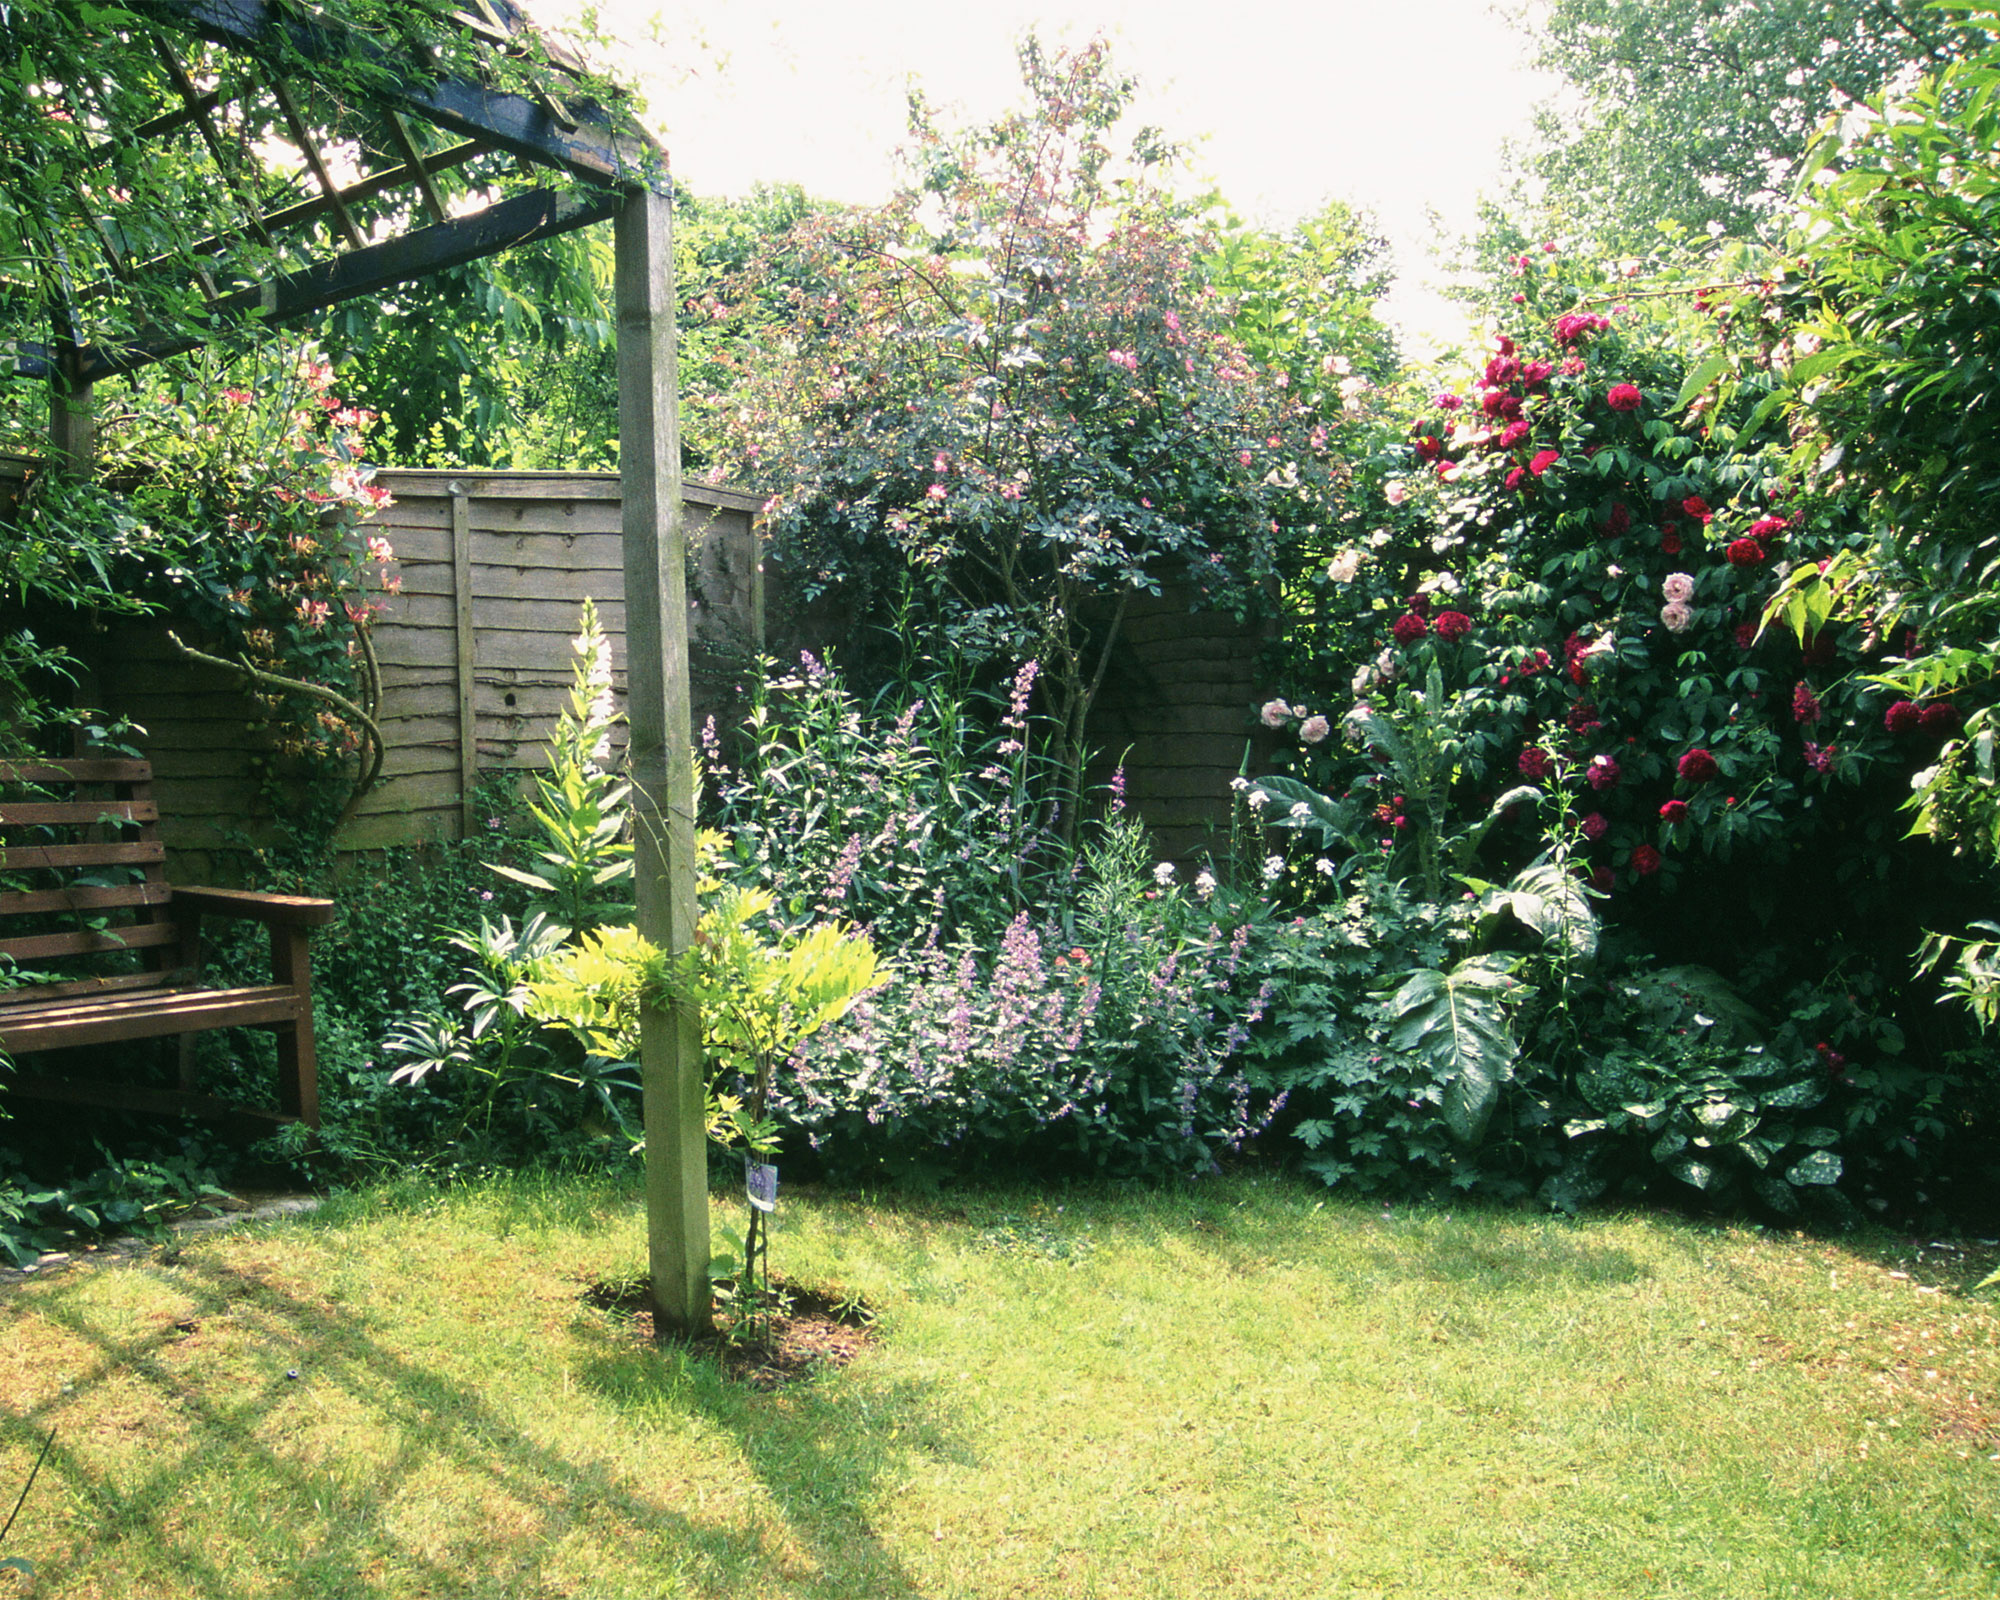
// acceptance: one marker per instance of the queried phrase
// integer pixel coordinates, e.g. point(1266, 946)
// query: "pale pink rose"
point(1678, 587)
point(1676, 616)
point(1275, 713)
point(1314, 729)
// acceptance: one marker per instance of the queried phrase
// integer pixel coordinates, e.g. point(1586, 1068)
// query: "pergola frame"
point(609, 168)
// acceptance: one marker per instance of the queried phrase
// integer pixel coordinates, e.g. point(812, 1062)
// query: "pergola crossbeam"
point(539, 214)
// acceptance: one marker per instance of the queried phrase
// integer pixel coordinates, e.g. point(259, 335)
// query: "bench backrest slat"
point(54, 857)
point(77, 813)
point(32, 995)
point(54, 946)
point(81, 898)
point(82, 770)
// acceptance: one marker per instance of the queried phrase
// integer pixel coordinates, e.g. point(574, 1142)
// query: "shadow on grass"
point(354, 1528)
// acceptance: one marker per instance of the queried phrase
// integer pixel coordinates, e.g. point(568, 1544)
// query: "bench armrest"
point(284, 910)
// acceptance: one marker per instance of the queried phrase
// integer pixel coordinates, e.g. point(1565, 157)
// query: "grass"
point(1245, 1390)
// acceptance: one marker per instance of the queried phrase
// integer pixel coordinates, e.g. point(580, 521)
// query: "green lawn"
point(1245, 1389)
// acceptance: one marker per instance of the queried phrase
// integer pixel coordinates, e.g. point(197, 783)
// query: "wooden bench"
point(97, 948)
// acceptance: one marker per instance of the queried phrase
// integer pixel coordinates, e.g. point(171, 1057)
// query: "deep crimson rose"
point(1805, 704)
point(1623, 397)
point(1602, 773)
point(1449, 402)
point(1496, 403)
point(1903, 717)
point(1513, 434)
point(1645, 861)
point(1746, 635)
point(1502, 369)
point(1516, 476)
point(1746, 553)
point(1583, 718)
point(1578, 325)
point(1429, 447)
point(1768, 527)
point(1544, 459)
point(1601, 880)
point(1697, 508)
point(1940, 718)
point(1409, 628)
point(1594, 826)
point(1670, 542)
point(1674, 811)
point(1618, 521)
point(1534, 762)
point(1535, 373)
point(1452, 626)
point(1697, 766)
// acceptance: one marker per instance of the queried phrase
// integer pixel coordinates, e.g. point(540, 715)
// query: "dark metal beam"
point(540, 214)
point(623, 156)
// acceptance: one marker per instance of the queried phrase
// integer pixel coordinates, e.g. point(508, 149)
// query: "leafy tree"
point(1009, 395)
point(1895, 382)
point(1693, 112)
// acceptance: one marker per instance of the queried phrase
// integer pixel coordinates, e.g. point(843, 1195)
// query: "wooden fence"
point(475, 654)
point(474, 649)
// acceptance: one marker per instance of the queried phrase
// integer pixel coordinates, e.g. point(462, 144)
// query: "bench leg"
point(298, 1066)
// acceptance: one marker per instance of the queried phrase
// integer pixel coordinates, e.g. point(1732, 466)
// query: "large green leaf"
point(1456, 1022)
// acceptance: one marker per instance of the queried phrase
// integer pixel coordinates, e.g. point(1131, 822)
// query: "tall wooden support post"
point(661, 756)
point(72, 428)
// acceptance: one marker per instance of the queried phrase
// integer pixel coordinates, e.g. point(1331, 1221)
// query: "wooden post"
point(72, 428)
point(661, 757)
point(467, 655)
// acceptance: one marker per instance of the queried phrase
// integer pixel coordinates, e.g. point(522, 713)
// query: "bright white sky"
point(1397, 108)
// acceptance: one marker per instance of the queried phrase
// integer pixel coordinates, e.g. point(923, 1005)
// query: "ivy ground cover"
point(1242, 1389)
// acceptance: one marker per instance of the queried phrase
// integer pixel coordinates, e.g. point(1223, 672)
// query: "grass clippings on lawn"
point(1245, 1389)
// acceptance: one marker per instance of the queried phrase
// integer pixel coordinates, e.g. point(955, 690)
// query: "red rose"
point(1594, 826)
point(1449, 402)
point(1939, 719)
point(1805, 704)
point(1602, 773)
point(1670, 542)
point(1535, 373)
point(1502, 369)
point(1516, 476)
point(1768, 527)
point(1544, 459)
point(1534, 762)
point(1409, 628)
point(1902, 717)
point(1618, 521)
point(1746, 635)
point(1674, 811)
point(1453, 626)
point(1697, 508)
point(1697, 766)
point(1645, 861)
point(1623, 397)
point(1746, 553)
point(1601, 880)
point(1429, 447)
point(1583, 718)
point(1513, 434)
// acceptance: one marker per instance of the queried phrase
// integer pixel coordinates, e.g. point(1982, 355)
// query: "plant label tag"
point(760, 1183)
